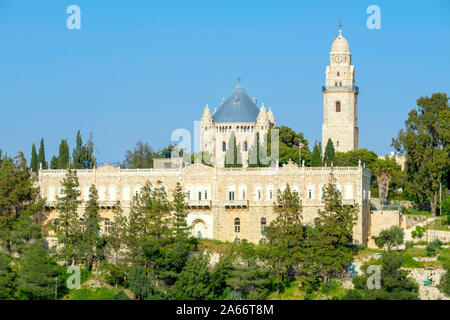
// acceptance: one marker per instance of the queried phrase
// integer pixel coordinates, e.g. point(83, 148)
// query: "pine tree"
point(91, 240)
point(329, 154)
point(19, 205)
point(41, 155)
point(285, 235)
point(64, 155)
point(194, 281)
point(116, 244)
point(316, 156)
point(69, 234)
point(179, 215)
point(54, 163)
point(7, 278)
point(34, 165)
point(36, 273)
point(334, 227)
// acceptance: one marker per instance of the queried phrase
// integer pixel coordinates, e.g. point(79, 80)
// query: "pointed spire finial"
point(239, 80)
point(340, 27)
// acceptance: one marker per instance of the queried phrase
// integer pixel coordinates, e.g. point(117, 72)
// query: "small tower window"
point(237, 225)
point(337, 143)
point(338, 74)
point(245, 146)
point(263, 224)
point(338, 106)
point(340, 84)
point(224, 146)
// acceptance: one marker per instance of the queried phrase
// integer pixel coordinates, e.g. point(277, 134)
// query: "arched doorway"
point(199, 229)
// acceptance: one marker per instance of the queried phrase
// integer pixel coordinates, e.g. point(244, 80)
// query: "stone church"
point(231, 204)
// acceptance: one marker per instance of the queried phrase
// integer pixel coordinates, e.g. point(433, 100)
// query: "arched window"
point(338, 74)
point(263, 224)
point(199, 195)
point(244, 146)
point(237, 225)
point(107, 224)
point(335, 84)
point(338, 106)
point(189, 195)
point(340, 84)
point(224, 146)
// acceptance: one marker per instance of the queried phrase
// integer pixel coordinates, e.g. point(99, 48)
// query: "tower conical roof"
point(238, 107)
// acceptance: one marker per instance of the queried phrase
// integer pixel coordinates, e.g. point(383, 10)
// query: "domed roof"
point(238, 107)
point(340, 45)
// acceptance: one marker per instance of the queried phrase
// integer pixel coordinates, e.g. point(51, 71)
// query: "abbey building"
point(231, 204)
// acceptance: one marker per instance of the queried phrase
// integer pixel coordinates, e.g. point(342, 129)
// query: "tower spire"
point(340, 27)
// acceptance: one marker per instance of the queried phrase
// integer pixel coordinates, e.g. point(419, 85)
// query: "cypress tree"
point(34, 165)
point(78, 154)
point(41, 155)
point(64, 155)
point(254, 159)
point(232, 155)
point(316, 157)
point(329, 154)
point(54, 163)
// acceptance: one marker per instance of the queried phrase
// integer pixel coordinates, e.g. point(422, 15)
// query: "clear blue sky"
point(140, 69)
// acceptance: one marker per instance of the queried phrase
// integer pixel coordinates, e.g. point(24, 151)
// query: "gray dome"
point(238, 107)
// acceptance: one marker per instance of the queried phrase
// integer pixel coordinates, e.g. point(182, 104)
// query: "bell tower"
point(340, 103)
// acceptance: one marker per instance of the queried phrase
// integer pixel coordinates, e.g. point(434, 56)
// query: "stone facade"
point(224, 203)
point(340, 99)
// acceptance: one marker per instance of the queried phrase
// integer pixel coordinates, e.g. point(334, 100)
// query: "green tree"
point(194, 281)
point(64, 155)
point(285, 235)
point(385, 170)
point(116, 240)
point(316, 156)
point(69, 233)
point(7, 278)
point(329, 153)
point(394, 281)
point(143, 284)
point(250, 275)
point(79, 153)
point(425, 141)
point(92, 243)
point(34, 165)
point(19, 205)
point(140, 157)
point(36, 273)
point(41, 155)
point(390, 237)
point(233, 156)
point(54, 163)
point(179, 214)
point(334, 227)
point(289, 142)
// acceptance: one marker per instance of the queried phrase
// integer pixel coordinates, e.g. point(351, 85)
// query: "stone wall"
point(382, 220)
point(212, 210)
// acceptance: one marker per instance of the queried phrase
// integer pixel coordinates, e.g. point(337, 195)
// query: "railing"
point(340, 89)
point(348, 202)
point(199, 203)
point(236, 203)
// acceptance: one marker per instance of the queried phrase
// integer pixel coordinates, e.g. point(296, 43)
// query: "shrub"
point(329, 286)
point(433, 246)
point(418, 233)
